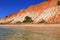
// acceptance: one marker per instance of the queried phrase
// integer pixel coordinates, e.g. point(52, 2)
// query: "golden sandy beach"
point(28, 25)
point(33, 31)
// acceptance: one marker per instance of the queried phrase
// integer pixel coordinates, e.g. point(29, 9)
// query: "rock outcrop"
point(49, 11)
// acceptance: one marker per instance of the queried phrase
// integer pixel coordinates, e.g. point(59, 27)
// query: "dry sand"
point(28, 25)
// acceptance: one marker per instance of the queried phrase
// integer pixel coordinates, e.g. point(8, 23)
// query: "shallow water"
point(29, 34)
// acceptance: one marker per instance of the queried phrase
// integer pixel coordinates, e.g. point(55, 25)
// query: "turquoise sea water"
point(27, 34)
point(5, 32)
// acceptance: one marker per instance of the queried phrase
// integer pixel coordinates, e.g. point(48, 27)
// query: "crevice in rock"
point(58, 2)
point(43, 21)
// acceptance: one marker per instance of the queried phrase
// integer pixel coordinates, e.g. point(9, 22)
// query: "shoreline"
point(28, 25)
point(52, 28)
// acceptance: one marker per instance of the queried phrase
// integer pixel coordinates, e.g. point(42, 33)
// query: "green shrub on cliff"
point(27, 20)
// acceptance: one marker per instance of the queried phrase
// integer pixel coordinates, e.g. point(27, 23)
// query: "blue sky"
point(10, 6)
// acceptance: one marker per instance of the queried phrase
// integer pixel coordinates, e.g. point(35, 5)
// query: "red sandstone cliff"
point(48, 11)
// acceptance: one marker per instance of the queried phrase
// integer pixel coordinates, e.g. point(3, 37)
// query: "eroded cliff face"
point(48, 11)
